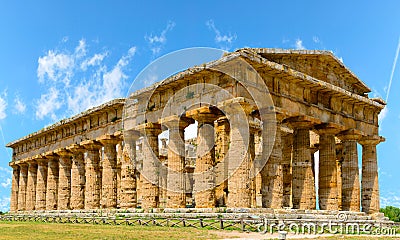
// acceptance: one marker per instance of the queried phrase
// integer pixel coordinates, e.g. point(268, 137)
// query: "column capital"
point(351, 134)
point(108, 139)
point(13, 165)
point(371, 140)
point(91, 145)
point(328, 128)
point(205, 114)
point(176, 121)
point(75, 148)
point(238, 103)
point(302, 122)
point(62, 152)
point(50, 155)
point(131, 134)
point(147, 128)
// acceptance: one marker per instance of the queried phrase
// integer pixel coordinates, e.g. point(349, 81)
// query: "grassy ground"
point(34, 230)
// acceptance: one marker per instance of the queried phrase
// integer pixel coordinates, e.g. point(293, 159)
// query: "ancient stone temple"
point(266, 120)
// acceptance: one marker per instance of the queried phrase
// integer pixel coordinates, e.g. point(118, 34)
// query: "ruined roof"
point(317, 57)
point(114, 102)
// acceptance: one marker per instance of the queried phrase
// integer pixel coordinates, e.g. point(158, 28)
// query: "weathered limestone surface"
point(64, 178)
point(176, 193)
point(327, 190)
point(31, 186)
point(369, 183)
point(204, 178)
point(109, 175)
point(128, 197)
point(287, 146)
point(303, 183)
point(93, 174)
point(14, 188)
point(41, 183)
point(52, 182)
point(78, 178)
point(75, 164)
point(273, 175)
point(151, 163)
point(350, 173)
point(23, 178)
point(222, 131)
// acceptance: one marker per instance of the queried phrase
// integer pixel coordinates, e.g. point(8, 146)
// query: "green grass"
point(35, 230)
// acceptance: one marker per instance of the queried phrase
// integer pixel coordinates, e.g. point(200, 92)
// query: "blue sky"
point(59, 57)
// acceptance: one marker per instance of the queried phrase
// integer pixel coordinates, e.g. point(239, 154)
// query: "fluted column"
point(119, 164)
point(350, 173)
point(52, 181)
point(303, 183)
point(327, 188)
point(272, 173)
point(287, 147)
point(78, 178)
point(14, 187)
point(128, 198)
point(204, 175)
point(109, 175)
point(339, 161)
point(41, 182)
point(176, 194)
point(369, 182)
point(150, 173)
point(23, 178)
point(31, 185)
point(93, 174)
point(222, 131)
point(64, 180)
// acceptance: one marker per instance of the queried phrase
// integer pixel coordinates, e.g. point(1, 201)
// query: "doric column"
point(31, 185)
point(339, 161)
point(23, 178)
point(350, 173)
point(369, 182)
point(204, 175)
point(41, 182)
point(64, 179)
point(303, 183)
point(128, 197)
point(150, 173)
point(287, 147)
point(109, 175)
point(327, 188)
point(93, 174)
point(14, 187)
point(52, 180)
point(119, 164)
point(176, 192)
point(272, 173)
point(222, 133)
point(77, 200)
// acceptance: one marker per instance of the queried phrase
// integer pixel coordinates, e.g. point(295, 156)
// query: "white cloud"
point(4, 204)
point(390, 198)
point(3, 106)
point(226, 39)
point(90, 81)
point(299, 44)
point(55, 66)
point(19, 105)
point(94, 61)
point(7, 183)
point(316, 39)
point(382, 115)
point(48, 104)
point(157, 41)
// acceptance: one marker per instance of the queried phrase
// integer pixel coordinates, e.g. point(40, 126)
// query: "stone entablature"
point(96, 160)
point(89, 124)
